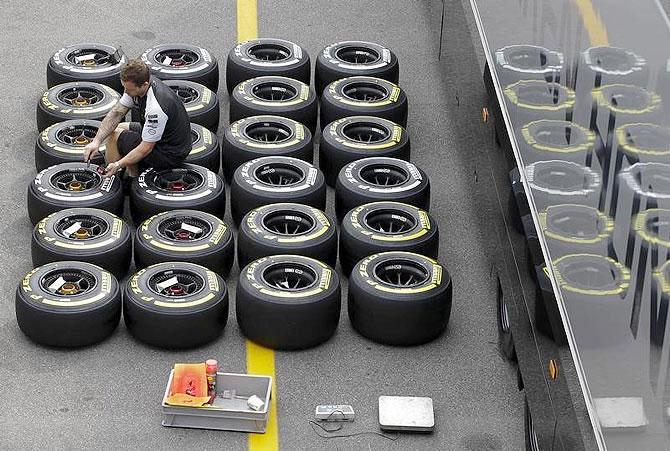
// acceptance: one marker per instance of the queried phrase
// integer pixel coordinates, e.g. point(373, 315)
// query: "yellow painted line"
point(592, 22)
point(261, 360)
point(247, 20)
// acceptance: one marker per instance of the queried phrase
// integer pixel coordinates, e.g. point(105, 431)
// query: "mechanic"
point(163, 137)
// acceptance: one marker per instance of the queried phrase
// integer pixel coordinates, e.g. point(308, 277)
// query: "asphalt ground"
point(108, 396)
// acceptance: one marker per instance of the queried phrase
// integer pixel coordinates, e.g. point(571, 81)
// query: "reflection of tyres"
point(86, 62)
point(532, 443)
point(526, 62)
point(183, 62)
point(64, 142)
point(517, 203)
point(386, 226)
point(205, 150)
point(189, 186)
point(262, 136)
point(75, 100)
point(532, 100)
point(84, 234)
point(363, 96)
point(505, 340)
point(287, 228)
point(351, 58)
point(288, 302)
point(266, 56)
point(380, 179)
point(278, 96)
point(175, 305)
point(352, 138)
point(188, 236)
point(269, 180)
point(70, 185)
point(68, 304)
point(399, 298)
point(557, 140)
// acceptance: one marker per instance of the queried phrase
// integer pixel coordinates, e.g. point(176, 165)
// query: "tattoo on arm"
point(111, 120)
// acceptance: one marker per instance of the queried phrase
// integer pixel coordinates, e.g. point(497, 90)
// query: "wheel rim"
point(274, 91)
point(186, 93)
point(176, 283)
point(269, 52)
point(279, 174)
point(288, 223)
point(384, 175)
point(176, 58)
point(648, 136)
point(194, 136)
point(74, 282)
point(75, 180)
point(541, 93)
point(527, 58)
point(100, 57)
point(585, 224)
point(365, 92)
point(561, 178)
point(268, 132)
point(80, 97)
point(357, 55)
point(400, 273)
point(593, 274)
point(289, 276)
point(612, 59)
point(627, 97)
point(366, 132)
point(173, 228)
point(389, 221)
point(77, 135)
point(179, 181)
point(90, 227)
point(557, 134)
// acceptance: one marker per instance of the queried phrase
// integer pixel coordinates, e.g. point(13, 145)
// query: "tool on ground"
point(342, 412)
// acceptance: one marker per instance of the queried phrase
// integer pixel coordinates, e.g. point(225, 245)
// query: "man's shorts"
point(129, 139)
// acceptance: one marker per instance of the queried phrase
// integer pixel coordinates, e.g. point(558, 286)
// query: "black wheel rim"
point(77, 135)
point(194, 136)
point(90, 227)
point(389, 221)
point(289, 276)
point(366, 132)
point(384, 175)
point(365, 92)
point(541, 93)
point(561, 178)
point(527, 57)
point(557, 134)
point(269, 52)
point(68, 282)
point(75, 180)
point(288, 223)
point(186, 93)
point(274, 91)
point(176, 283)
point(268, 132)
point(357, 55)
point(279, 174)
point(176, 58)
point(179, 181)
point(401, 273)
point(612, 59)
point(98, 57)
point(184, 228)
point(80, 97)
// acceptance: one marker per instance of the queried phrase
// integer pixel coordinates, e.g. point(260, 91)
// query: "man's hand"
point(90, 150)
point(112, 168)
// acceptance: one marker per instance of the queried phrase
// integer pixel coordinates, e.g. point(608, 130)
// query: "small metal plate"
point(406, 413)
point(621, 413)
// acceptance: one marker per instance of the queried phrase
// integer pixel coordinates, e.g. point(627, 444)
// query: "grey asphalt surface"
point(108, 396)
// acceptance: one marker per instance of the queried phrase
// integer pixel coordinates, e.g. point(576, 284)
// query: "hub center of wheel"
point(183, 235)
point(176, 290)
point(80, 101)
point(81, 140)
point(177, 186)
point(82, 234)
point(90, 62)
point(68, 289)
point(75, 186)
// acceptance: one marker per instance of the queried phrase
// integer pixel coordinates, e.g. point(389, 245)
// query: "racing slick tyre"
point(205, 150)
point(84, 234)
point(351, 58)
point(352, 138)
point(70, 185)
point(262, 136)
point(189, 186)
point(98, 63)
point(363, 96)
point(286, 228)
point(288, 302)
point(278, 96)
point(188, 236)
point(68, 304)
point(64, 142)
point(380, 179)
point(183, 62)
point(175, 305)
point(399, 298)
point(266, 56)
point(386, 226)
point(75, 100)
point(269, 180)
